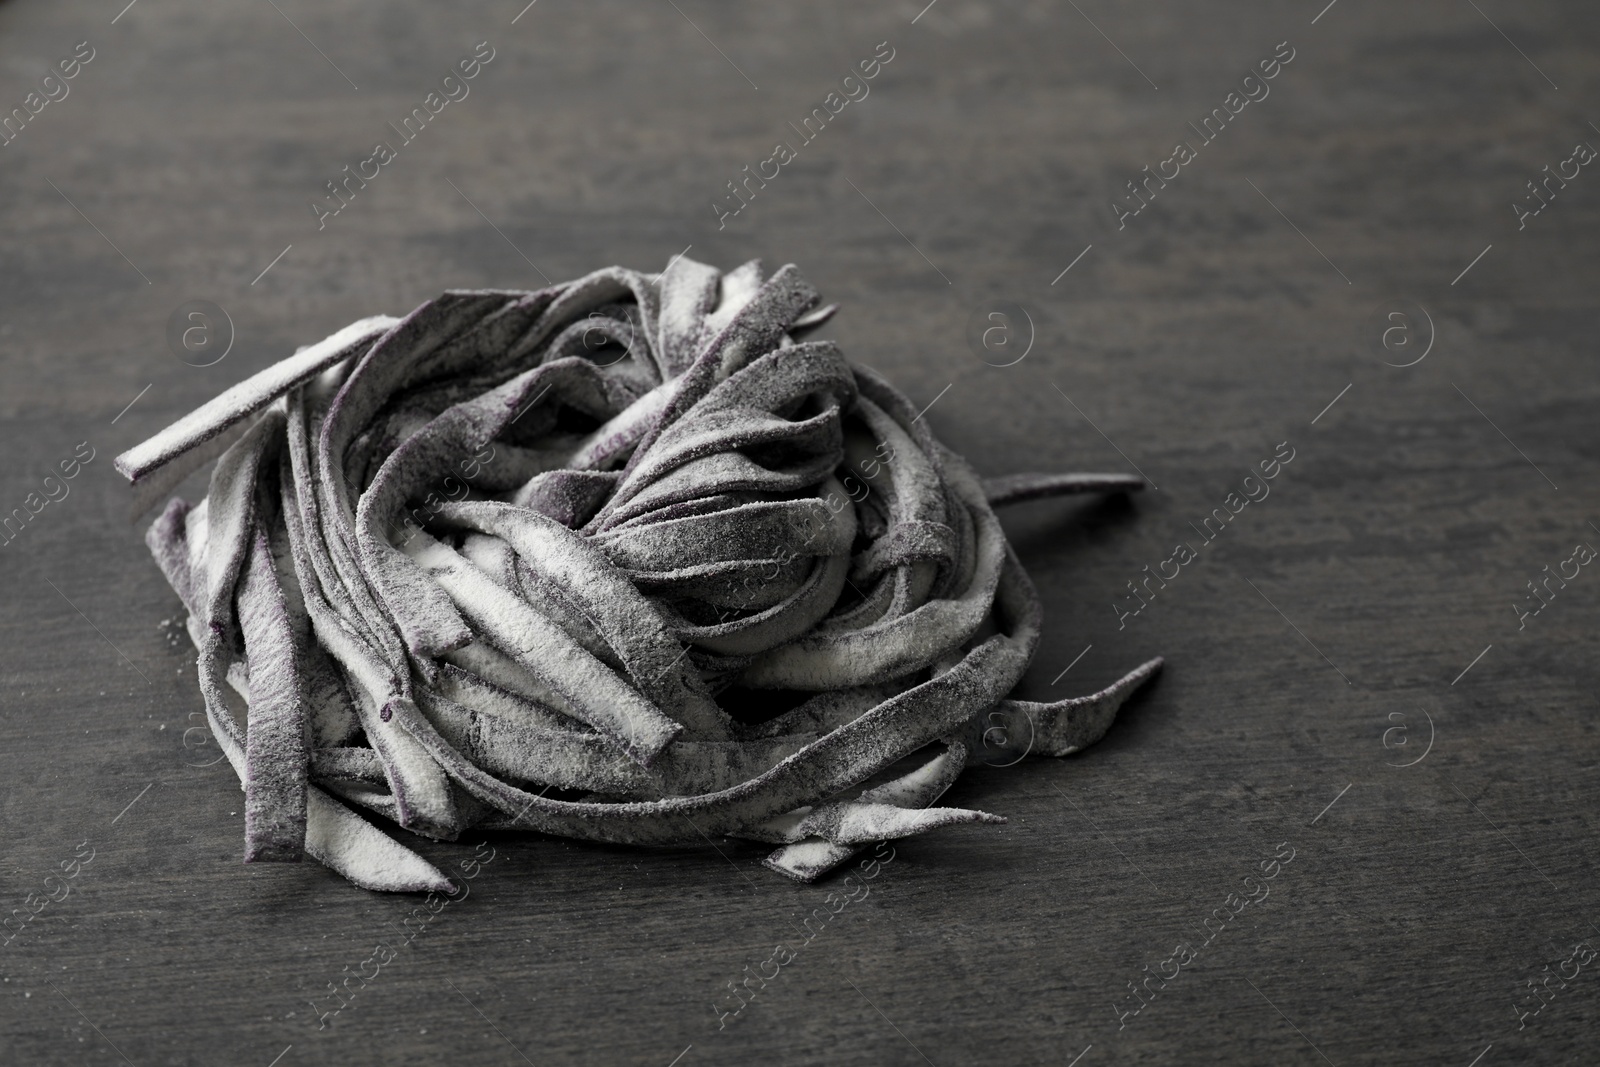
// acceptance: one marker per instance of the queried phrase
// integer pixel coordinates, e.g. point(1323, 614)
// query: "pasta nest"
point(628, 559)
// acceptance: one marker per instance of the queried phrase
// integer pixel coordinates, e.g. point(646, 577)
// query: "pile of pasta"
point(629, 559)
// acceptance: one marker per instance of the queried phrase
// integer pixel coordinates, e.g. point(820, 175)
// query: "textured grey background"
point(1418, 906)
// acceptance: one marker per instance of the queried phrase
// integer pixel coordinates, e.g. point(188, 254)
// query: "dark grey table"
point(1340, 269)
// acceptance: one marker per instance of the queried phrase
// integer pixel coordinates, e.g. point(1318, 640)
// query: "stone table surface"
point(1335, 269)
